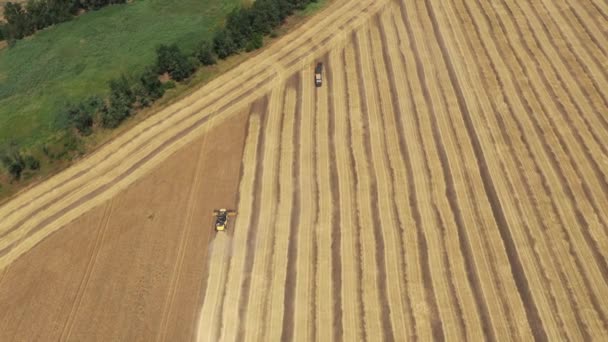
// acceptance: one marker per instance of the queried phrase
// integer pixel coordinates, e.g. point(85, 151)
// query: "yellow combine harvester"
point(221, 218)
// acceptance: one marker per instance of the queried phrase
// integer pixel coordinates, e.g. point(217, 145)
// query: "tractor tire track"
point(181, 248)
point(101, 232)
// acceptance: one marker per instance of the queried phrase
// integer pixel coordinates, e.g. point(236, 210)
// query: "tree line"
point(244, 30)
point(23, 20)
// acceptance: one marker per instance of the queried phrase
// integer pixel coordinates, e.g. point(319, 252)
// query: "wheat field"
point(449, 180)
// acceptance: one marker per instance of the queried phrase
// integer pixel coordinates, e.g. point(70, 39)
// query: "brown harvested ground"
point(448, 181)
point(132, 268)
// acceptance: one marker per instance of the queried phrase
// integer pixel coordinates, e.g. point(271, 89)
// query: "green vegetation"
point(69, 62)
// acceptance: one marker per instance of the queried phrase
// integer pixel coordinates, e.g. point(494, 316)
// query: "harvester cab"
point(221, 218)
point(319, 74)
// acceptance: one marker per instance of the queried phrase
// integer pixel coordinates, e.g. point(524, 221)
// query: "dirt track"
point(448, 181)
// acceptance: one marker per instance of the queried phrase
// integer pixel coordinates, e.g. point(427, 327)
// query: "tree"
point(205, 54)
point(239, 26)
point(12, 159)
point(150, 88)
point(81, 116)
point(122, 98)
point(172, 60)
point(120, 88)
point(265, 16)
point(32, 163)
point(17, 21)
point(114, 114)
point(223, 44)
point(256, 42)
point(81, 119)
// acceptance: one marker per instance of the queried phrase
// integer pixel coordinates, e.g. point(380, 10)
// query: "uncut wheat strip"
point(581, 45)
point(242, 226)
point(529, 204)
point(367, 251)
point(307, 187)
point(573, 154)
point(592, 149)
point(388, 220)
point(258, 290)
point(479, 104)
point(352, 311)
point(285, 206)
point(547, 134)
point(323, 226)
point(108, 153)
point(472, 319)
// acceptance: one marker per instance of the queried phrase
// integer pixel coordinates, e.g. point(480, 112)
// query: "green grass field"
point(70, 61)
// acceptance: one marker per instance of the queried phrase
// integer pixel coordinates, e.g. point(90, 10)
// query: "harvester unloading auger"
point(221, 218)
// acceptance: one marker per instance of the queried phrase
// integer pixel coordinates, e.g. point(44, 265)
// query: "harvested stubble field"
point(448, 181)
